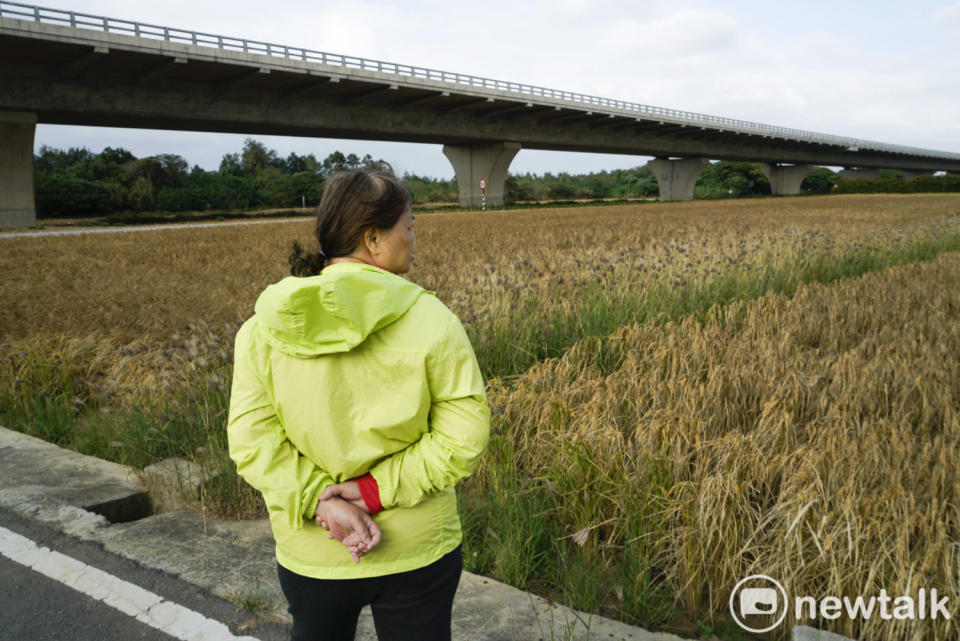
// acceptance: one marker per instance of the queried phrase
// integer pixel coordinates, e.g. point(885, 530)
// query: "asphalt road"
point(142, 228)
point(34, 607)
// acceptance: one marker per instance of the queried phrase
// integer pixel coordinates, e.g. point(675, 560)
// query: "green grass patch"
point(551, 532)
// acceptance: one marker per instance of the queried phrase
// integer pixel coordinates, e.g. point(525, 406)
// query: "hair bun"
point(303, 263)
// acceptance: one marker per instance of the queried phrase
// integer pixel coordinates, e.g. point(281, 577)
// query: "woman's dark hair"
point(352, 202)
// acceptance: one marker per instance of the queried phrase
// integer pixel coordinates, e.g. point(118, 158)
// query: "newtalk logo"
point(759, 603)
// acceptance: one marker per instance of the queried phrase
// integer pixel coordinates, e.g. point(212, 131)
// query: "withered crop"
point(683, 394)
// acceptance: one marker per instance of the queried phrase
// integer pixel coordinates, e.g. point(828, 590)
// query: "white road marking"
point(124, 230)
point(143, 605)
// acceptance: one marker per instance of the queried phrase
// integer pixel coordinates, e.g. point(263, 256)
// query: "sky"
point(882, 71)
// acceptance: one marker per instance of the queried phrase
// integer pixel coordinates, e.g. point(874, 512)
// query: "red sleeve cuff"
point(370, 492)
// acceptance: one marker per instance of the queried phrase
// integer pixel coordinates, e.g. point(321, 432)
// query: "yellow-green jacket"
point(357, 370)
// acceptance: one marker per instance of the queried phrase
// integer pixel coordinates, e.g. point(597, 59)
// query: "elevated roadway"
point(62, 67)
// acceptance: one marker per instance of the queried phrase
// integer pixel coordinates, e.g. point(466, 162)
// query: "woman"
point(357, 404)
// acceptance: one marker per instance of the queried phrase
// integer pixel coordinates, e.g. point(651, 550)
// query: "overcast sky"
point(880, 70)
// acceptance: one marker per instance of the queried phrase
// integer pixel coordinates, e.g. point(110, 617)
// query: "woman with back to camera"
point(357, 404)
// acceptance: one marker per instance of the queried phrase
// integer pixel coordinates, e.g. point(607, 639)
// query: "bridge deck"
point(87, 76)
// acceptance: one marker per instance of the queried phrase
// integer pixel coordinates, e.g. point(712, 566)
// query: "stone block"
point(174, 483)
point(806, 633)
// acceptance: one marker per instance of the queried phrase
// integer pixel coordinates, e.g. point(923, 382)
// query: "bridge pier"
point(16, 169)
point(676, 178)
point(785, 180)
point(860, 173)
point(487, 161)
point(910, 175)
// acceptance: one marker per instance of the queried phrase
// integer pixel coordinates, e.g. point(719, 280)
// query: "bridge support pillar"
point(487, 161)
point(785, 180)
point(16, 169)
point(910, 174)
point(860, 173)
point(676, 178)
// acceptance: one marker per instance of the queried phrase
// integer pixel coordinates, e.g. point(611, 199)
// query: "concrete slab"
point(806, 633)
point(235, 559)
point(40, 480)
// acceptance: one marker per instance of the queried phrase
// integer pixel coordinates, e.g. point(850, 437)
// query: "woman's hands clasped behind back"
point(342, 511)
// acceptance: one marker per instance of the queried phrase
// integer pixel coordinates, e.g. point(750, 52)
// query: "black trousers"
point(407, 606)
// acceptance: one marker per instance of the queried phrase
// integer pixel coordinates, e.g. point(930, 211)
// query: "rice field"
point(684, 394)
point(812, 438)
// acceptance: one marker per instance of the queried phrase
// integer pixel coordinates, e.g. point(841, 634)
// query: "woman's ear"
point(371, 238)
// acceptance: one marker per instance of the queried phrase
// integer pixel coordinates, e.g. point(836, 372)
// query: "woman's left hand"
point(348, 491)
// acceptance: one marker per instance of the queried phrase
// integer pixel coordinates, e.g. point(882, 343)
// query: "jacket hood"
point(334, 311)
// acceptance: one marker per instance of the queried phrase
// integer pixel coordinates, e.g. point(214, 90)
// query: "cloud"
point(948, 12)
point(683, 34)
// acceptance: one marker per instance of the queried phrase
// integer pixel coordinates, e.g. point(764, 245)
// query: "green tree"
point(368, 163)
point(820, 180)
point(256, 159)
point(561, 189)
point(726, 179)
point(290, 190)
point(140, 194)
point(294, 164)
point(59, 195)
point(230, 165)
point(52, 160)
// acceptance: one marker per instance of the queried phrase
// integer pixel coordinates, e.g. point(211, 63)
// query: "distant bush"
point(424, 189)
point(898, 184)
point(732, 180)
point(64, 196)
point(820, 180)
point(638, 182)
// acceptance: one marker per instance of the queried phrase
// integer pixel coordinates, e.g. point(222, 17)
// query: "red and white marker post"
point(483, 194)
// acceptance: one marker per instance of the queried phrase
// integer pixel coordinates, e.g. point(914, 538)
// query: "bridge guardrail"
point(78, 20)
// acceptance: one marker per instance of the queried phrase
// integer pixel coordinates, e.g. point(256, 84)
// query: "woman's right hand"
point(348, 524)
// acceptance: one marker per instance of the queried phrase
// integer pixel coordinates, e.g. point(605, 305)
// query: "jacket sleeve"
point(458, 426)
point(265, 458)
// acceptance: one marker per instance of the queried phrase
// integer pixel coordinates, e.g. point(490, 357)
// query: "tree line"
point(79, 183)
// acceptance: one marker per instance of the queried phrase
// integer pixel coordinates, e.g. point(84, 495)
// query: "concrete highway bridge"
point(62, 67)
